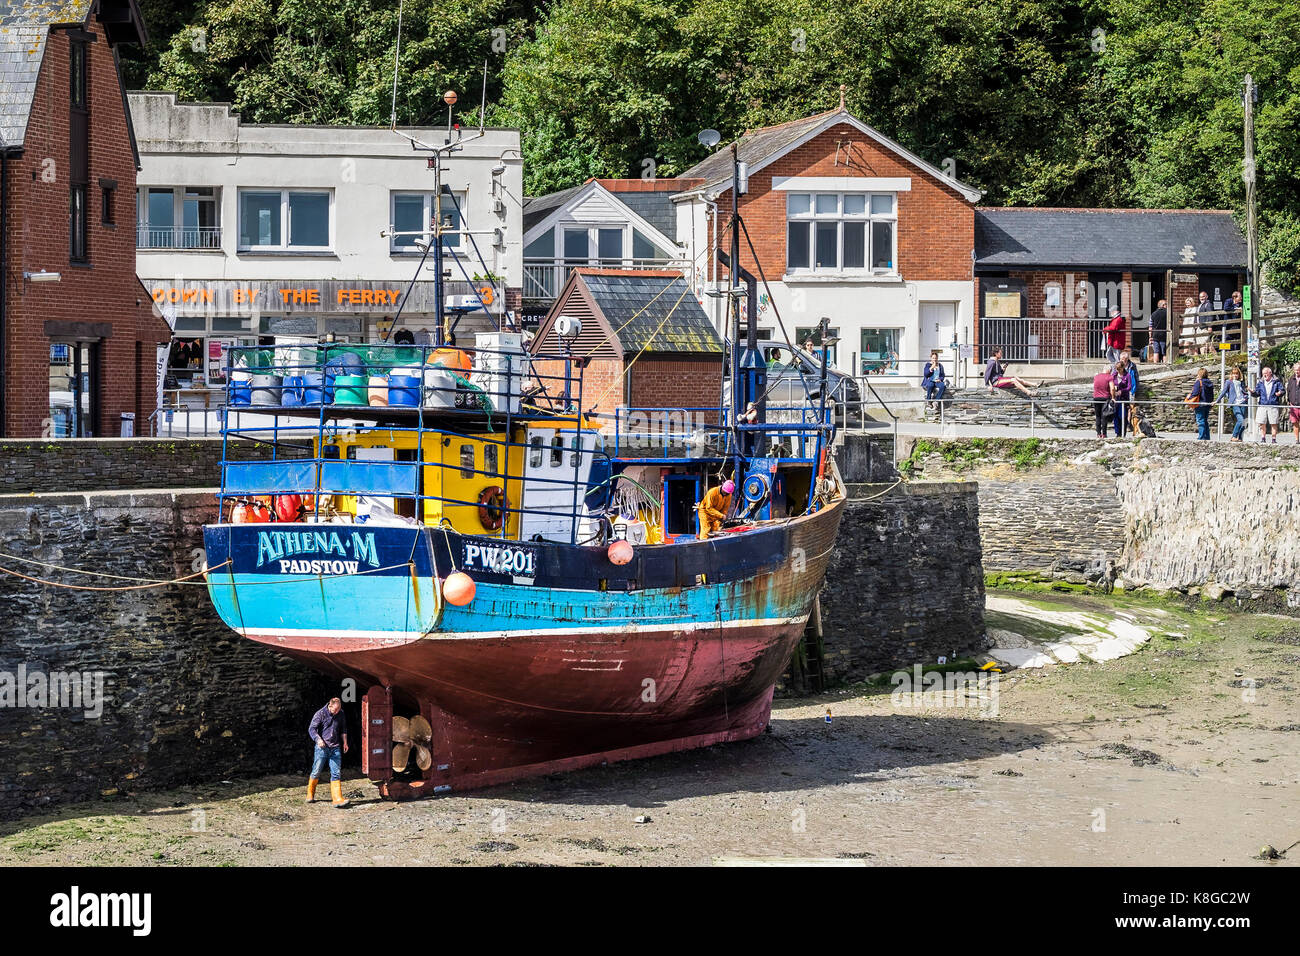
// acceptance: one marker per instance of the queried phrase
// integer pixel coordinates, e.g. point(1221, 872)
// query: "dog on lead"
point(1137, 420)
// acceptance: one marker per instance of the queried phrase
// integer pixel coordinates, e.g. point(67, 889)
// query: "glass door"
point(74, 390)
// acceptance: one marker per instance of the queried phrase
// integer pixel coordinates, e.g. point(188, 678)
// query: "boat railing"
point(484, 380)
point(312, 476)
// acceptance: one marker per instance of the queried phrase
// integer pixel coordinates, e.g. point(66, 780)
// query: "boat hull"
point(562, 660)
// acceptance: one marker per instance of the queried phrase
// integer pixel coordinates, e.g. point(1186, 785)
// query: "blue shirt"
point(1234, 393)
point(932, 374)
point(331, 728)
point(1270, 392)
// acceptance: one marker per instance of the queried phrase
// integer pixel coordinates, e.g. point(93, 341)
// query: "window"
point(412, 218)
point(77, 74)
point(840, 232)
point(107, 201)
point(467, 461)
point(535, 452)
point(77, 225)
point(179, 217)
point(610, 246)
point(879, 355)
point(490, 459)
point(810, 338)
point(287, 220)
point(557, 449)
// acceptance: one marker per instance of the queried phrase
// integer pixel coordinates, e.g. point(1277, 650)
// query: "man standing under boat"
point(329, 732)
point(713, 509)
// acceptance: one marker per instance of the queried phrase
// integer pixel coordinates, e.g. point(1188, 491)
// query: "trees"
point(1048, 102)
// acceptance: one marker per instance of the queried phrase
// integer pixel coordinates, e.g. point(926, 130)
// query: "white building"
point(298, 232)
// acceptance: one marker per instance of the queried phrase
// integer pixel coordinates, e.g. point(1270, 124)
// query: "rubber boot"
point(336, 791)
point(311, 789)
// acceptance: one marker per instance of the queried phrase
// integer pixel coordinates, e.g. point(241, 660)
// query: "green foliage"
point(1048, 102)
point(1281, 357)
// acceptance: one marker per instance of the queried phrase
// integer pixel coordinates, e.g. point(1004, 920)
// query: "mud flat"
point(1186, 751)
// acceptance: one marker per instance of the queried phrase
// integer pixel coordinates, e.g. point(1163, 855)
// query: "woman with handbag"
point(1199, 400)
point(1103, 398)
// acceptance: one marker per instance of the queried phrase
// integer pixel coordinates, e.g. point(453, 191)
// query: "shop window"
point(840, 232)
point(879, 354)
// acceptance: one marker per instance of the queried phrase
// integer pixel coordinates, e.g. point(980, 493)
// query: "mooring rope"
point(92, 587)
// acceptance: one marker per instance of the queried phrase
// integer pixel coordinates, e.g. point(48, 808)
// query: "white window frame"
point(453, 246)
point(177, 227)
point(840, 218)
point(284, 248)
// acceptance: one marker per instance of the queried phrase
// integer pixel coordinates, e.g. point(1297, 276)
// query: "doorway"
point(938, 328)
point(74, 390)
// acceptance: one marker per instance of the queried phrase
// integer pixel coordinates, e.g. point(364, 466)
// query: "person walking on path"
point(1116, 338)
point(1159, 333)
point(1103, 392)
point(1201, 398)
point(1187, 338)
point(1293, 399)
point(1233, 394)
point(329, 732)
point(1271, 392)
point(932, 380)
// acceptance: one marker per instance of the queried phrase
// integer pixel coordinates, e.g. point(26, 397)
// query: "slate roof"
point(1113, 239)
point(24, 25)
point(755, 146)
point(537, 208)
point(620, 295)
point(655, 208)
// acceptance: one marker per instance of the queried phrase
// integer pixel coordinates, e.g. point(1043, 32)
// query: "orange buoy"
point(619, 552)
point(458, 589)
point(250, 512)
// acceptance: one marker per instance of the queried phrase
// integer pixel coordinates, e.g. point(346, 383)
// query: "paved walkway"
point(933, 429)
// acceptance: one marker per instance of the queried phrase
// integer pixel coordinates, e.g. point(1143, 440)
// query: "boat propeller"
point(410, 734)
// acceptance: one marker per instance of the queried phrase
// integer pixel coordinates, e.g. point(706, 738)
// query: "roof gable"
point(762, 146)
point(593, 203)
point(25, 26)
point(632, 311)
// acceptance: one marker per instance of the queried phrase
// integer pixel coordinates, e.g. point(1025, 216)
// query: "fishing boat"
point(515, 585)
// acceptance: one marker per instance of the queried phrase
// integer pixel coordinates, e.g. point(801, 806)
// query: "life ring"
point(492, 507)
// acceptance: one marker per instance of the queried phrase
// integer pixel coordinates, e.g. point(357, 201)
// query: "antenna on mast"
point(396, 53)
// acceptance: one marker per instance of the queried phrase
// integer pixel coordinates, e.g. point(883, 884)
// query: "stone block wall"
point(1163, 514)
point(905, 583)
point(95, 464)
point(186, 699)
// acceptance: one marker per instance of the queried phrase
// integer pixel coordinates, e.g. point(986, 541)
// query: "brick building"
point(1049, 279)
point(77, 329)
point(845, 222)
point(645, 340)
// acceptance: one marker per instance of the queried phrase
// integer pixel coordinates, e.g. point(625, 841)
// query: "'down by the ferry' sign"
point(502, 559)
point(230, 297)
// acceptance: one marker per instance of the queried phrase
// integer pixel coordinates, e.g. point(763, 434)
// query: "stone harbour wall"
point(905, 582)
point(186, 699)
point(1169, 515)
point(95, 464)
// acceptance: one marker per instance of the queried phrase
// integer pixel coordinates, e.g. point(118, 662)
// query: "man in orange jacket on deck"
point(713, 509)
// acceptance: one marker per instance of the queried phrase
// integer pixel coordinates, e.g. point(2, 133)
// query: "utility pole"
point(1250, 303)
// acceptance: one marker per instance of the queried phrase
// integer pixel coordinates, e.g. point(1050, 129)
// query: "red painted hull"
point(507, 709)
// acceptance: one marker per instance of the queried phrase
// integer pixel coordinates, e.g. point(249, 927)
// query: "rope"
point(90, 587)
point(99, 574)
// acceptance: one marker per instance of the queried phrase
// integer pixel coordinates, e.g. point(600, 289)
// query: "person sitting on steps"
point(995, 376)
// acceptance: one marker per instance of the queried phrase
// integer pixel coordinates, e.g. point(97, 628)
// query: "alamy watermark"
point(74, 690)
point(922, 689)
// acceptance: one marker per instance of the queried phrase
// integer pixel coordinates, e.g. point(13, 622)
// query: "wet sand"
point(1159, 758)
